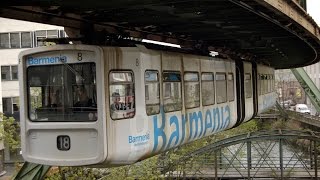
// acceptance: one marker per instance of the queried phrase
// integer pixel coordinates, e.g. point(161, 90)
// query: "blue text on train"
point(46, 60)
point(200, 125)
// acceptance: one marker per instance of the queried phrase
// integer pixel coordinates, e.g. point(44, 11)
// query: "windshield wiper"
point(76, 73)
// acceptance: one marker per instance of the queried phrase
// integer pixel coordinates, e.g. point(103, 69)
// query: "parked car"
point(302, 108)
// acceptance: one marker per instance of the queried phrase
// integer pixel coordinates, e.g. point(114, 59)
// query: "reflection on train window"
point(152, 92)
point(122, 95)
point(207, 89)
point(191, 89)
point(172, 91)
point(230, 87)
point(221, 88)
point(64, 92)
point(247, 82)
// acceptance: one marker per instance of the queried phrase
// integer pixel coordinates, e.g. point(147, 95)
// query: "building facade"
point(314, 73)
point(16, 36)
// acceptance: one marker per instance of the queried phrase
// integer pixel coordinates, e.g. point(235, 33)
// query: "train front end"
point(62, 105)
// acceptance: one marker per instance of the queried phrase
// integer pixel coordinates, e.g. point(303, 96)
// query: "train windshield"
point(64, 92)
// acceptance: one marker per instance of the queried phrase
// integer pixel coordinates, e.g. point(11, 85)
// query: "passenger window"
point(259, 84)
point(192, 90)
point(221, 88)
point(172, 91)
point(273, 83)
point(152, 92)
point(230, 87)
point(247, 82)
point(269, 83)
point(207, 89)
point(265, 90)
point(121, 95)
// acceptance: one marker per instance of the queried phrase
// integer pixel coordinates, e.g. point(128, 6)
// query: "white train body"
point(165, 99)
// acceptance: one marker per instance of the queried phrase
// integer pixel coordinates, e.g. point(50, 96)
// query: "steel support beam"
point(309, 87)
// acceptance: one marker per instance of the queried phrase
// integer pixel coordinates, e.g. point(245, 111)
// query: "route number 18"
point(63, 143)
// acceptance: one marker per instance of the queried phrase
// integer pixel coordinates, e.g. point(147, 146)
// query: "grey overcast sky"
point(313, 8)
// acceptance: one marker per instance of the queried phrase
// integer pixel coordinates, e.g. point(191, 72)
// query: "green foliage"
point(9, 132)
point(74, 173)
point(147, 169)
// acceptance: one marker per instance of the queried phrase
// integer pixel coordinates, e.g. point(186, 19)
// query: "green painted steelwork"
point(255, 155)
point(31, 171)
point(309, 87)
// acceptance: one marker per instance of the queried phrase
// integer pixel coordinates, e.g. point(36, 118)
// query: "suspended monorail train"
point(108, 106)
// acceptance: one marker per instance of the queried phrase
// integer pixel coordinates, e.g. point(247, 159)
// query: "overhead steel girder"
point(277, 33)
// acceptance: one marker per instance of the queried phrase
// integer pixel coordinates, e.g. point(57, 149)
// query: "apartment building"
point(16, 36)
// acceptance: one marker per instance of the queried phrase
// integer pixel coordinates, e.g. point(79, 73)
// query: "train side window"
point(265, 84)
point(247, 82)
point(230, 87)
point(273, 84)
point(122, 94)
point(221, 88)
point(152, 91)
point(269, 83)
point(262, 84)
point(172, 91)
point(259, 84)
point(207, 89)
point(191, 89)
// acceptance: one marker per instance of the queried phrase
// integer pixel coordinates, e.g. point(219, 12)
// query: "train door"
point(191, 87)
point(248, 91)
point(255, 89)
point(241, 106)
point(171, 122)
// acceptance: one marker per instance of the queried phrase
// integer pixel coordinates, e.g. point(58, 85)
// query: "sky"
point(313, 8)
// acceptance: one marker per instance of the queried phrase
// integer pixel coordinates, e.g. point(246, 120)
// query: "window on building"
point(191, 89)
point(14, 40)
point(4, 40)
point(207, 89)
point(5, 73)
point(9, 73)
point(230, 87)
point(122, 94)
point(172, 91)
point(14, 72)
point(44, 34)
point(221, 88)
point(248, 82)
point(26, 40)
point(152, 90)
point(10, 107)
